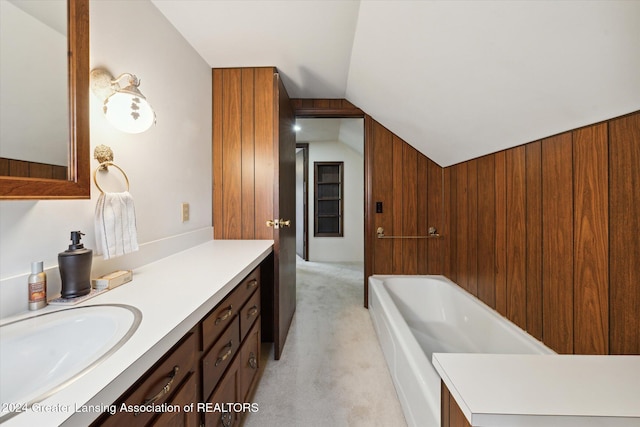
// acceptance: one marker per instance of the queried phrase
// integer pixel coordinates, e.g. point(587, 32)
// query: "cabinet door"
point(216, 360)
point(249, 362)
point(249, 314)
point(219, 412)
point(186, 396)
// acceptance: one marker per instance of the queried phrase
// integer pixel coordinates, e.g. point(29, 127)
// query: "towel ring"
point(104, 165)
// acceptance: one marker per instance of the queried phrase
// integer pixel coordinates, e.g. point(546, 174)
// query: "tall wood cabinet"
point(254, 178)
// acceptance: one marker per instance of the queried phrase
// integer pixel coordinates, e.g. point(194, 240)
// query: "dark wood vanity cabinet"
point(212, 369)
point(228, 388)
point(450, 413)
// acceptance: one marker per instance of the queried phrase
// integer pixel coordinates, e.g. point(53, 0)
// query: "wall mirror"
point(44, 131)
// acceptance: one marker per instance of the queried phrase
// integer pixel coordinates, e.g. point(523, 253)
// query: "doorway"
point(321, 141)
point(302, 201)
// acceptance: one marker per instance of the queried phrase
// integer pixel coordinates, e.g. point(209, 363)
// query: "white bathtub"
point(416, 316)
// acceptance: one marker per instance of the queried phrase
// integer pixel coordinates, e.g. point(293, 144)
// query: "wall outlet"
point(185, 212)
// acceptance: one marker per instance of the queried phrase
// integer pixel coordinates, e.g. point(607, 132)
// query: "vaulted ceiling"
point(455, 79)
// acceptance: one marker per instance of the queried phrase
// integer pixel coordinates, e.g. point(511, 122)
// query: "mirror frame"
point(78, 183)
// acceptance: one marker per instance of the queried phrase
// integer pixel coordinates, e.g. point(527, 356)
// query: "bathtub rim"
point(409, 346)
point(406, 342)
point(466, 294)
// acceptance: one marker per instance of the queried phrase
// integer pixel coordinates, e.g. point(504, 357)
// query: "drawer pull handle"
point(164, 391)
point(253, 311)
point(253, 362)
point(226, 355)
point(252, 284)
point(226, 419)
point(225, 316)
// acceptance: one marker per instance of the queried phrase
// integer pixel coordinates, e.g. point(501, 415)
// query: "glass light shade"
point(128, 110)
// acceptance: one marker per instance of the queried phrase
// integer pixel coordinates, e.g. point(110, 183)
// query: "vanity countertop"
point(173, 294)
point(499, 390)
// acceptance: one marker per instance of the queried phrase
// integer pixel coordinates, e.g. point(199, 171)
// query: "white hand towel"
point(115, 225)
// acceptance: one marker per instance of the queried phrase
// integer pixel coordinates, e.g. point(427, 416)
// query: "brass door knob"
point(277, 223)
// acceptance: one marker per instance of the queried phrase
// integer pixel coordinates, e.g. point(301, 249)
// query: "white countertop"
point(173, 294)
point(500, 390)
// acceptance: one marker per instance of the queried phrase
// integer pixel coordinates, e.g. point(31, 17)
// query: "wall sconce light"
point(125, 108)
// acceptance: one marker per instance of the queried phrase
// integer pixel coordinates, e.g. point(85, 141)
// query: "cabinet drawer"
point(216, 360)
point(249, 313)
point(251, 282)
point(249, 363)
point(223, 314)
point(185, 395)
point(158, 384)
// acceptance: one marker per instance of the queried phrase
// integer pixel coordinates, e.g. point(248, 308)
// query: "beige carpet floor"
point(332, 371)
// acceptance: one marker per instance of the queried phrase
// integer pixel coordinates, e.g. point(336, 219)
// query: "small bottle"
point(37, 286)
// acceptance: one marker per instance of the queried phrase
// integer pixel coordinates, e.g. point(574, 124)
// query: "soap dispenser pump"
point(75, 268)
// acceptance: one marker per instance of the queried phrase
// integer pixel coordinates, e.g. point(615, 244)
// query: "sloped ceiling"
point(455, 79)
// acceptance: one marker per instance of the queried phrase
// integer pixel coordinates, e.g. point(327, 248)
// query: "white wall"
point(167, 165)
point(350, 247)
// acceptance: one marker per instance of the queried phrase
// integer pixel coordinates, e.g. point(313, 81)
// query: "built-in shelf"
point(328, 199)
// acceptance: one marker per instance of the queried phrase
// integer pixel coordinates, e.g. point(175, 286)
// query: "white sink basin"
point(42, 354)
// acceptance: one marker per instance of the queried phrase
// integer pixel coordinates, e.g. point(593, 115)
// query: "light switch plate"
point(185, 212)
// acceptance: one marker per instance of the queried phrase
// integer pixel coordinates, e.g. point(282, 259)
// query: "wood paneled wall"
point(324, 108)
point(243, 132)
point(26, 169)
point(624, 234)
point(546, 233)
point(409, 186)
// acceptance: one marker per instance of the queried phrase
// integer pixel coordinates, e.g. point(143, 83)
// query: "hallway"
point(332, 371)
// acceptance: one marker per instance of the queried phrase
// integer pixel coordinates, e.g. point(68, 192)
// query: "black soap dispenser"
point(75, 268)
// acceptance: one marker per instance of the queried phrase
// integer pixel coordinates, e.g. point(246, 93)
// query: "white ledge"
point(500, 390)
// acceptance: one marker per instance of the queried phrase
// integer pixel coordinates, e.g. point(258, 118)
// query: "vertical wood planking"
point(370, 215)
point(501, 233)
point(472, 228)
point(624, 256)
point(445, 396)
point(533, 178)
point(556, 216)
point(449, 185)
point(557, 242)
point(409, 217)
point(462, 226)
point(422, 213)
point(591, 240)
point(232, 152)
point(516, 237)
point(435, 206)
point(264, 113)
point(486, 230)
point(216, 110)
point(397, 208)
point(243, 111)
point(248, 154)
point(382, 191)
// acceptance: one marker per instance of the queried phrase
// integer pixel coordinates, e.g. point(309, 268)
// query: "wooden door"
point(254, 179)
point(285, 208)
